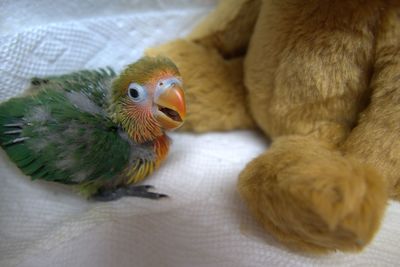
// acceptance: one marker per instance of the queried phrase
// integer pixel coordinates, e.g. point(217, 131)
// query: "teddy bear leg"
point(375, 140)
point(311, 198)
point(308, 80)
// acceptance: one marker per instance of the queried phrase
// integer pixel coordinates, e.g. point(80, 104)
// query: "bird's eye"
point(136, 92)
point(133, 92)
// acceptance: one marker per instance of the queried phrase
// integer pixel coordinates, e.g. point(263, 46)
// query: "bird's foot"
point(129, 190)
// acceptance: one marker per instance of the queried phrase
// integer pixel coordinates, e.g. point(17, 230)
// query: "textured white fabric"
point(204, 223)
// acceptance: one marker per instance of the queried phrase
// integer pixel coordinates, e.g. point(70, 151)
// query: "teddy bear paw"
point(312, 198)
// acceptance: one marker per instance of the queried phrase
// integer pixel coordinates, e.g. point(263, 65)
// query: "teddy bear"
point(320, 79)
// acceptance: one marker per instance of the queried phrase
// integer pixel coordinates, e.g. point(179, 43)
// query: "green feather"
point(64, 142)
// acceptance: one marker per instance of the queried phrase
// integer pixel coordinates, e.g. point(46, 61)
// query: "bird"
point(99, 132)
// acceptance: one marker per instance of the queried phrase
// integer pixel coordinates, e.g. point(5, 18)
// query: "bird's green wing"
point(95, 84)
point(66, 136)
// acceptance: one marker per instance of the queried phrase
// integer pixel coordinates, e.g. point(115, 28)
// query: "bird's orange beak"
point(171, 107)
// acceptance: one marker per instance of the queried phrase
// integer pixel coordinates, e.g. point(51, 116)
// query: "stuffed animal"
point(321, 79)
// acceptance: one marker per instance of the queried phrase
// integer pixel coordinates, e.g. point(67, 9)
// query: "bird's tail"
point(12, 121)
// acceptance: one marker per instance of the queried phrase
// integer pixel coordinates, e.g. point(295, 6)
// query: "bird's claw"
point(131, 190)
point(140, 187)
point(143, 191)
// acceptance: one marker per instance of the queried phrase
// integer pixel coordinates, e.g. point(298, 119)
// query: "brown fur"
point(321, 78)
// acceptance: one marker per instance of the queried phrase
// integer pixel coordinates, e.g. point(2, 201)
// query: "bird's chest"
point(161, 148)
point(141, 168)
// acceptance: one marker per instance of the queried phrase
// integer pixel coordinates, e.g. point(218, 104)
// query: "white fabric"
point(204, 223)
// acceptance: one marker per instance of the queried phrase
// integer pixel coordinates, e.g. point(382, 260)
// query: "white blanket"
point(203, 223)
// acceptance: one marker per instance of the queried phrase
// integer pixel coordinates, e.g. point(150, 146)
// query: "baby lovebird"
point(94, 130)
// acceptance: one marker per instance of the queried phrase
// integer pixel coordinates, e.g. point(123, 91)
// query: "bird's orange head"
point(148, 98)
